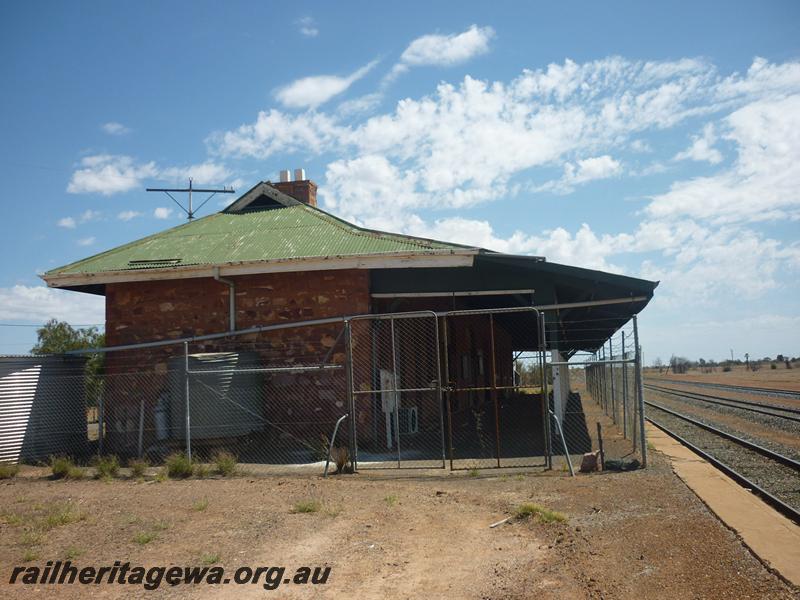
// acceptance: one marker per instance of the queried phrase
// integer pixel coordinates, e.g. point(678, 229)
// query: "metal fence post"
point(613, 386)
point(396, 391)
point(548, 445)
point(640, 391)
point(624, 391)
point(101, 422)
point(439, 396)
point(493, 392)
point(351, 400)
point(188, 418)
point(603, 379)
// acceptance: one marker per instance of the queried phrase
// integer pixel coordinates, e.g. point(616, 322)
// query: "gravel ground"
point(388, 535)
point(778, 479)
point(779, 402)
point(775, 433)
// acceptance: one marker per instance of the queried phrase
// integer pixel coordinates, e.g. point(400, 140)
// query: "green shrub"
point(60, 466)
point(8, 471)
point(60, 515)
point(138, 467)
point(473, 472)
point(144, 537)
point(106, 467)
point(538, 512)
point(179, 465)
point(341, 457)
point(225, 463)
point(161, 525)
point(30, 556)
point(202, 470)
point(75, 473)
point(307, 506)
point(200, 505)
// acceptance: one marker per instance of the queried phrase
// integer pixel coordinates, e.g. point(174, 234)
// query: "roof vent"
point(286, 175)
point(299, 175)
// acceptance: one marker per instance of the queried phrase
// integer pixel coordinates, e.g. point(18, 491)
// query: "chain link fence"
point(456, 389)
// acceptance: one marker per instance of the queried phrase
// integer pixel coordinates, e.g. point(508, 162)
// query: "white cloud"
point(277, 132)
point(109, 174)
point(444, 50)
point(723, 263)
point(464, 144)
point(450, 49)
point(310, 92)
point(471, 143)
point(72, 222)
point(90, 215)
point(641, 146)
point(162, 212)
point(764, 181)
point(583, 171)
point(357, 106)
point(127, 215)
point(307, 26)
point(583, 248)
point(114, 128)
point(87, 241)
point(702, 148)
point(39, 304)
point(206, 172)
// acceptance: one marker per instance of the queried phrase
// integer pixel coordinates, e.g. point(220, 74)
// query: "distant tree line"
point(681, 364)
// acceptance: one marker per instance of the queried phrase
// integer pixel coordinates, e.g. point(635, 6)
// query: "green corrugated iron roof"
point(285, 232)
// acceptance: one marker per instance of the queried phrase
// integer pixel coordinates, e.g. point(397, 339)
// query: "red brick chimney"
point(301, 189)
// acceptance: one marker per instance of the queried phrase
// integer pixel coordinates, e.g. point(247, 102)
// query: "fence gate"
point(396, 390)
point(495, 389)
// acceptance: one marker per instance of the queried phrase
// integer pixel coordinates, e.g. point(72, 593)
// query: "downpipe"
point(231, 297)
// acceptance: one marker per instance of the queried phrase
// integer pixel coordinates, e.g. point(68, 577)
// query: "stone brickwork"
point(160, 310)
point(157, 310)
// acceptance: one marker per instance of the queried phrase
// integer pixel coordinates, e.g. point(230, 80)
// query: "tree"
point(58, 337)
point(679, 364)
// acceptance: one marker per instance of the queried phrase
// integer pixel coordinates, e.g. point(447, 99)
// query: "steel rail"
point(738, 388)
point(777, 457)
point(748, 406)
point(778, 504)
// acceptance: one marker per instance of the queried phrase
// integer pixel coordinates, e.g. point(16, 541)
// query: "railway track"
point(738, 388)
point(773, 410)
point(771, 475)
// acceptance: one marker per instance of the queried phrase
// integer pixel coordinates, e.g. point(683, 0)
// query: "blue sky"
point(660, 141)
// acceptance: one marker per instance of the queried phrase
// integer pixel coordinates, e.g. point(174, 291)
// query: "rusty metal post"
point(640, 391)
point(545, 396)
point(624, 391)
point(351, 399)
point(188, 417)
point(439, 397)
point(613, 386)
point(449, 392)
point(395, 389)
point(494, 391)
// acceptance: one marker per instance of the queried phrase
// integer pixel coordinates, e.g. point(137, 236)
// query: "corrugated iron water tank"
point(42, 407)
point(226, 395)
